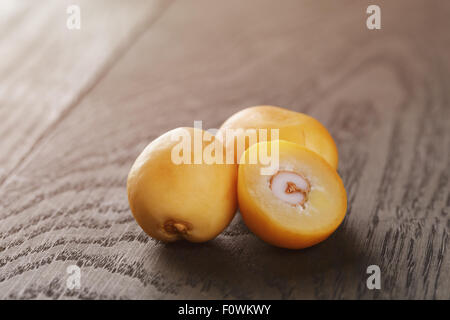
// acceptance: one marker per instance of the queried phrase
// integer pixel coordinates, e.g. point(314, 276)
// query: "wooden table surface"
point(78, 106)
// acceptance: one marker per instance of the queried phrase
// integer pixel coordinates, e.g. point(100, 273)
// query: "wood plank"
point(45, 68)
point(383, 94)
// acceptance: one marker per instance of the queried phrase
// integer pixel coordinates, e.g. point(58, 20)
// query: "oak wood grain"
point(384, 95)
point(46, 69)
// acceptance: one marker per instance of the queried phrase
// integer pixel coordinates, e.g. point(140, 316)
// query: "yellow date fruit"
point(173, 201)
point(299, 205)
point(293, 126)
